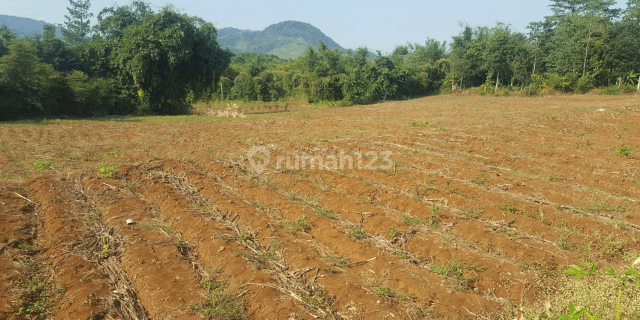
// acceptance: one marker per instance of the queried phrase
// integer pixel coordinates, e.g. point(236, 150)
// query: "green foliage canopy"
point(164, 54)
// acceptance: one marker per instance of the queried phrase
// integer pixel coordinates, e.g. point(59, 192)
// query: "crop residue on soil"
point(486, 201)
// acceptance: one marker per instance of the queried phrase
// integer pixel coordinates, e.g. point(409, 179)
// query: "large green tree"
point(575, 41)
point(54, 51)
point(113, 20)
point(6, 35)
point(632, 13)
point(28, 86)
point(601, 8)
point(164, 54)
point(622, 55)
point(323, 71)
point(77, 26)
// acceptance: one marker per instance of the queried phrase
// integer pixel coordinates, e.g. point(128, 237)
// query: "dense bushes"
point(136, 61)
point(29, 88)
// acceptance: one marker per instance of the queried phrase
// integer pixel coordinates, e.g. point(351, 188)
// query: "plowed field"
point(480, 206)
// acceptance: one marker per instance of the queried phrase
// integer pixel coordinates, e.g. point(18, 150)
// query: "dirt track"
point(481, 207)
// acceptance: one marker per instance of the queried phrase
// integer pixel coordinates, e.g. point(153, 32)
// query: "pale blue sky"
point(378, 25)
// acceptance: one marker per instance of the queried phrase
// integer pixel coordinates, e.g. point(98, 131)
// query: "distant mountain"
point(287, 39)
point(24, 27)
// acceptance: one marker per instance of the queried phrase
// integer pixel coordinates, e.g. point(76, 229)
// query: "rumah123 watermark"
point(260, 158)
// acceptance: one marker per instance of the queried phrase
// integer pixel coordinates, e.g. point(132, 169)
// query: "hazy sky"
point(378, 25)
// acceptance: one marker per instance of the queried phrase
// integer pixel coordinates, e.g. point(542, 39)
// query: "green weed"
point(336, 262)
point(299, 225)
point(624, 151)
point(457, 270)
point(37, 291)
point(471, 212)
point(411, 221)
point(610, 245)
point(109, 169)
point(357, 232)
point(113, 153)
point(384, 292)
point(602, 206)
point(42, 165)
point(326, 213)
point(433, 221)
point(508, 207)
point(220, 303)
point(479, 181)
point(563, 242)
point(207, 207)
point(420, 124)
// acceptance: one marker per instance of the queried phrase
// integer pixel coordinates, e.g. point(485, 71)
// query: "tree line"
point(585, 44)
point(136, 60)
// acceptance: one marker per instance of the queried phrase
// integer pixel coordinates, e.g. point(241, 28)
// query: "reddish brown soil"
point(513, 189)
point(15, 228)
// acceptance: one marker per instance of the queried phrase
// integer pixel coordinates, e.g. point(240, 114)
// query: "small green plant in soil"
point(37, 291)
point(336, 262)
point(326, 213)
point(299, 225)
point(392, 233)
point(411, 221)
point(433, 221)
point(42, 165)
point(472, 213)
point(92, 219)
point(457, 270)
point(220, 302)
point(624, 151)
point(563, 242)
point(105, 246)
point(384, 291)
point(479, 181)
point(208, 207)
point(610, 245)
point(420, 124)
point(113, 153)
point(357, 232)
point(508, 207)
point(108, 169)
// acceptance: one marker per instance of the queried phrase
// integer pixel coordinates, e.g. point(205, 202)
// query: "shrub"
point(96, 96)
point(586, 83)
point(22, 79)
point(566, 83)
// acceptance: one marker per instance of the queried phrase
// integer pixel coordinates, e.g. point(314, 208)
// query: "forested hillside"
point(287, 39)
point(135, 60)
point(24, 27)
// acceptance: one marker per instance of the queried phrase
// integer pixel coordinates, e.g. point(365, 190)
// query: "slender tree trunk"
point(221, 91)
point(534, 66)
point(638, 86)
point(497, 81)
point(586, 51)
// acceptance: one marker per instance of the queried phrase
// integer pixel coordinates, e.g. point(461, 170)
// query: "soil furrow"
point(86, 290)
point(165, 283)
point(328, 234)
